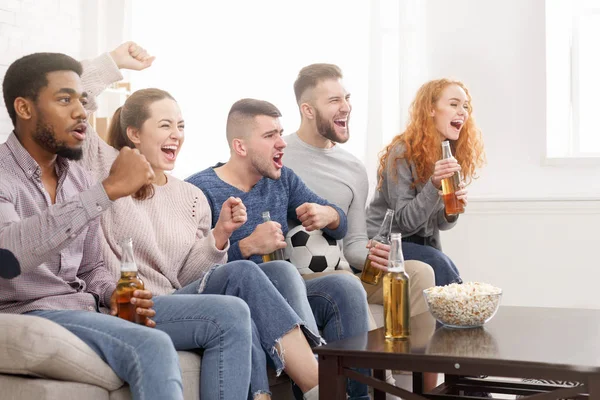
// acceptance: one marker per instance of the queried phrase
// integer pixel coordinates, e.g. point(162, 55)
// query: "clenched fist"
point(130, 55)
point(128, 173)
point(266, 238)
point(315, 216)
point(233, 215)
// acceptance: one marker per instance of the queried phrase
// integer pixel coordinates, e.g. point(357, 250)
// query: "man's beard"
point(263, 169)
point(327, 129)
point(45, 137)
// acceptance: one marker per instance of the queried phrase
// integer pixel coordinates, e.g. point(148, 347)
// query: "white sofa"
point(42, 360)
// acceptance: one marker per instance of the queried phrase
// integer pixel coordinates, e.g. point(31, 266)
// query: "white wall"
point(28, 26)
point(542, 253)
point(211, 54)
point(498, 49)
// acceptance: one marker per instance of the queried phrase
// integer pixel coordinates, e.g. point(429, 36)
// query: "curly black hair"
point(27, 76)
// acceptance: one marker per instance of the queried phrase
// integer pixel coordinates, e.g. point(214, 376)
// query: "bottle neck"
point(396, 267)
point(128, 268)
point(386, 229)
point(266, 216)
point(446, 151)
point(396, 260)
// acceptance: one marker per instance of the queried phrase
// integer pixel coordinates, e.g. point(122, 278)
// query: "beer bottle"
point(370, 274)
point(277, 254)
point(128, 283)
point(450, 185)
point(396, 300)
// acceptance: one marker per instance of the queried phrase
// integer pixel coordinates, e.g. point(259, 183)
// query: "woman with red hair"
point(411, 170)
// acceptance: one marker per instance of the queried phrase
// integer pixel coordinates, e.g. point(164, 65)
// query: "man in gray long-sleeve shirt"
point(314, 153)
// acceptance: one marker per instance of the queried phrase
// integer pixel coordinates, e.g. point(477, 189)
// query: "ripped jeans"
point(271, 316)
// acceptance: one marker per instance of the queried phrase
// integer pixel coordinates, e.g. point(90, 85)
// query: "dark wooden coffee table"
point(519, 342)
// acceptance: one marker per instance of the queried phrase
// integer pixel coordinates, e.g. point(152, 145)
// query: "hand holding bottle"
point(444, 169)
point(374, 267)
point(379, 254)
point(266, 238)
point(450, 184)
point(142, 299)
point(462, 194)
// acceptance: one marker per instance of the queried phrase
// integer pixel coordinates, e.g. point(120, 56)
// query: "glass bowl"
point(471, 305)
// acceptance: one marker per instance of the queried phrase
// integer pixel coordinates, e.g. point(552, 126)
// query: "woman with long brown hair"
point(182, 261)
point(411, 170)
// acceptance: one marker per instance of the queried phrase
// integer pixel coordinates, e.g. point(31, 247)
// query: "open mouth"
point(340, 122)
point(277, 160)
point(170, 152)
point(79, 131)
point(457, 124)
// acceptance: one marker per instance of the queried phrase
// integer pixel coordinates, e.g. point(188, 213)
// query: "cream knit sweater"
point(172, 238)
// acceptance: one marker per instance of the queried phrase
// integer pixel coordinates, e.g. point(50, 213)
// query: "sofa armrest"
point(36, 346)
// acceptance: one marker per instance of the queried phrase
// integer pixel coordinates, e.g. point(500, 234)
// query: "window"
point(573, 78)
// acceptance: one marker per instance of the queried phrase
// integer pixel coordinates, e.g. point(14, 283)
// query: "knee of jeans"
point(420, 272)
point(284, 272)
point(156, 339)
point(348, 288)
point(439, 257)
point(242, 268)
point(235, 315)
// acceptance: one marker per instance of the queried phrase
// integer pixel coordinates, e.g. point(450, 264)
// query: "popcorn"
point(466, 305)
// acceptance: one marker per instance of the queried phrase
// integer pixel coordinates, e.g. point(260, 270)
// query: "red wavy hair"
point(422, 142)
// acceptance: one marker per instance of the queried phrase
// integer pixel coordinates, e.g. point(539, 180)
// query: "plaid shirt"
point(58, 245)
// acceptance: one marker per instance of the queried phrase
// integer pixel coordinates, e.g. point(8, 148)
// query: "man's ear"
point(307, 111)
point(134, 135)
point(23, 108)
point(239, 147)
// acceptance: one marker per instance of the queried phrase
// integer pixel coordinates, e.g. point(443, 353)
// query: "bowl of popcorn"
point(466, 305)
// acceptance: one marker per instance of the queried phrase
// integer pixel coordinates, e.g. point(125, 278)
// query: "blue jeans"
point(272, 317)
point(337, 305)
point(221, 326)
point(443, 267)
point(143, 357)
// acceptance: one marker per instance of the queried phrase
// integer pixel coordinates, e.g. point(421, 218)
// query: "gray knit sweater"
point(418, 210)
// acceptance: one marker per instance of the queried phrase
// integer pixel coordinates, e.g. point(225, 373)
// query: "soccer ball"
point(311, 252)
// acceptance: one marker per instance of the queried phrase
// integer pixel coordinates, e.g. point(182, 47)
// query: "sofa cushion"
point(27, 388)
point(190, 372)
point(377, 313)
point(35, 346)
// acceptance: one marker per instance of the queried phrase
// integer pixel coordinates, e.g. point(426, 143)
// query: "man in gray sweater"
point(313, 152)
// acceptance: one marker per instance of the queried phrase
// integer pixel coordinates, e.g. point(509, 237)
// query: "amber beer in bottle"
point(277, 254)
point(396, 300)
point(128, 283)
point(370, 274)
point(450, 185)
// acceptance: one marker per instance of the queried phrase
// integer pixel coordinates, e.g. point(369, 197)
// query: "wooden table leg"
point(379, 374)
point(417, 383)
point(594, 387)
point(332, 385)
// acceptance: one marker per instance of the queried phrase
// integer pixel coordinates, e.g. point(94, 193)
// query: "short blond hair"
point(311, 75)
